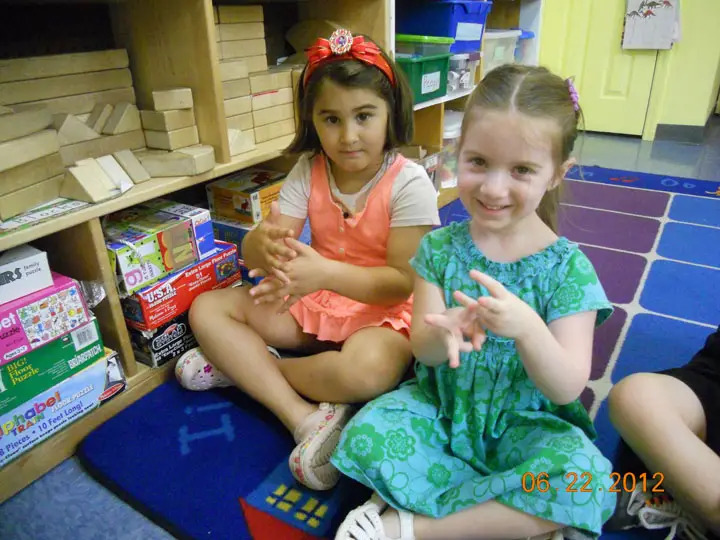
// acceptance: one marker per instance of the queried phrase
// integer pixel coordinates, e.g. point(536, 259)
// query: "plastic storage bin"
point(463, 20)
point(422, 45)
point(427, 75)
point(522, 51)
point(499, 48)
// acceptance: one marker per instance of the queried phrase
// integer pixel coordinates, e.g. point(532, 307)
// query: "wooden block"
point(84, 103)
point(37, 67)
point(242, 48)
point(256, 63)
point(272, 99)
point(240, 141)
point(186, 162)
point(240, 121)
point(172, 98)
point(240, 14)
point(28, 148)
point(273, 79)
point(172, 140)
point(167, 120)
point(232, 32)
point(31, 173)
point(132, 166)
point(236, 106)
point(83, 117)
point(88, 182)
point(102, 146)
point(215, 14)
point(217, 33)
point(22, 200)
point(274, 131)
point(236, 89)
point(5, 110)
point(115, 172)
point(273, 114)
point(231, 70)
point(99, 116)
point(64, 85)
point(24, 120)
point(125, 117)
point(71, 130)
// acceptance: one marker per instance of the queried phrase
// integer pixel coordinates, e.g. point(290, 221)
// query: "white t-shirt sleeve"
point(295, 192)
point(414, 199)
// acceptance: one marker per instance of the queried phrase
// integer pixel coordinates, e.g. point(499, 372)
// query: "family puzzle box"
point(246, 195)
point(54, 409)
point(33, 320)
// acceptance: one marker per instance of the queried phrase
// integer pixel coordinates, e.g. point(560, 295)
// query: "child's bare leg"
point(489, 520)
point(233, 334)
point(664, 423)
point(371, 362)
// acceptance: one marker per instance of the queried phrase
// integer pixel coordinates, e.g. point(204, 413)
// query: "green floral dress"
point(451, 439)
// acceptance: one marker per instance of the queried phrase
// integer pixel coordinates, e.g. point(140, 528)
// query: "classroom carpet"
point(214, 464)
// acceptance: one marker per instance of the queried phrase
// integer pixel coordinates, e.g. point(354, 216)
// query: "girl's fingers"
point(464, 299)
point(288, 303)
point(437, 320)
point(493, 305)
point(257, 272)
point(278, 233)
point(282, 276)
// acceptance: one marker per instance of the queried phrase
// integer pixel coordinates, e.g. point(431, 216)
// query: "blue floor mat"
point(186, 459)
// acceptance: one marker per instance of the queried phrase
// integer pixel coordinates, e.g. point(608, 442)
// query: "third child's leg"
point(663, 421)
point(233, 334)
point(372, 361)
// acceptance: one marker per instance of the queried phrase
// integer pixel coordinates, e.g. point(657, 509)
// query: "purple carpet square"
point(608, 229)
point(619, 272)
point(606, 338)
point(620, 199)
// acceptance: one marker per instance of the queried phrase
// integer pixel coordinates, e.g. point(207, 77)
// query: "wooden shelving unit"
point(172, 43)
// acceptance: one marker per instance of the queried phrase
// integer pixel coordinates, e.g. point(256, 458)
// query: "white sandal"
point(365, 523)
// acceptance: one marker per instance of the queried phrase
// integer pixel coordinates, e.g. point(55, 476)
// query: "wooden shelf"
point(31, 465)
point(156, 187)
point(443, 99)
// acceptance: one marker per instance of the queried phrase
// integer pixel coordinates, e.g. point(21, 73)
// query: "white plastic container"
point(499, 48)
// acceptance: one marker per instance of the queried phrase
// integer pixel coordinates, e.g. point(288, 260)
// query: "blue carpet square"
point(654, 343)
point(695, 210)
point(184, 458)
point(691, 243)
point(683, 290)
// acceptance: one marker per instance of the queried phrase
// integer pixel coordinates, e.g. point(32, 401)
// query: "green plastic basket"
point(427, 75)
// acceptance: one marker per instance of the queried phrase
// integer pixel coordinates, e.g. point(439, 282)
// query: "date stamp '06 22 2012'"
point(581, 483)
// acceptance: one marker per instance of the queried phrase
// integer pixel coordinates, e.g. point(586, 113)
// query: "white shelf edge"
point(443, 99)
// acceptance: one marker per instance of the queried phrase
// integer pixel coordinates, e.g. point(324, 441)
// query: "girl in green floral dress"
point(490, 440)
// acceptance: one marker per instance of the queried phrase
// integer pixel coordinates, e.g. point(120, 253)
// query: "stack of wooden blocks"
point(72, 85)
point(171, 126)
point(31, 169)
point(258, 101)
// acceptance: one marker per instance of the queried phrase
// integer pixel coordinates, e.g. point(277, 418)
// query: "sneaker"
point(626, 510)
point(663, 512)
point(194, 372)
point(310, 460)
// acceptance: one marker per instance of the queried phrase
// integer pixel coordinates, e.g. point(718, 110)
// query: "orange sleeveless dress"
point(360, 240)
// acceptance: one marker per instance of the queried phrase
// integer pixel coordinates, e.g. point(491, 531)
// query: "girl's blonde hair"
point(536, 92)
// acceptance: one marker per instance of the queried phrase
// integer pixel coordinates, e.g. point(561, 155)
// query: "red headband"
point(343, 46)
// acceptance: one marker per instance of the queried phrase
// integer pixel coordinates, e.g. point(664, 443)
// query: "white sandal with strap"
point(365, 523)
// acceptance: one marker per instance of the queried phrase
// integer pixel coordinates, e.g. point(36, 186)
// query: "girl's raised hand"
point(501, 312)
point(270, 240)
point(458, 323)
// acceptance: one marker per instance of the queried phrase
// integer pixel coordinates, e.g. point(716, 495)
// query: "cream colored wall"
point(687, 76)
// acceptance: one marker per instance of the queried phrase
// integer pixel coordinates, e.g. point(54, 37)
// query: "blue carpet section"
point(694, 210)
point(668, 342)
point(186, 458)
point(658, 182)
point(683, 290)
point(691, 243)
